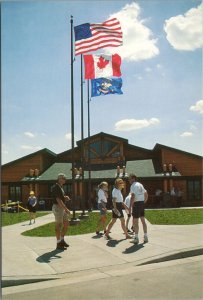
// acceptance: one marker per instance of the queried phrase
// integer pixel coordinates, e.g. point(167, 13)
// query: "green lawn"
point(175, 216)
point(159, 217)
point(13, 218)
point(85, 226)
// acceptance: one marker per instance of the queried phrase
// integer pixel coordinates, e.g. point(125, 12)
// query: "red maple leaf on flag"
point(102, 62)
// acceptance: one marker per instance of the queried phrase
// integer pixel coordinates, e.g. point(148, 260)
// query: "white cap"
point(62, 175)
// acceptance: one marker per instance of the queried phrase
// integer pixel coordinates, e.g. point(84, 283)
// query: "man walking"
point(139, 197)
point(60, 211)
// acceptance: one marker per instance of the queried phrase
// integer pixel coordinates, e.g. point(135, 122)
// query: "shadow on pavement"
point(97, 236)
point(133, 248)
point(113, 243)
point(48, 256)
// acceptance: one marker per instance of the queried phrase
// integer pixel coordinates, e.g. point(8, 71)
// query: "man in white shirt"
point(139, 197)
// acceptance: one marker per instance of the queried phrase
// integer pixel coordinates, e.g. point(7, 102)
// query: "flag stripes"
point(91, 37)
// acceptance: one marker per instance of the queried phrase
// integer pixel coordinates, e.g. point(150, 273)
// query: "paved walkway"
point(30, 259)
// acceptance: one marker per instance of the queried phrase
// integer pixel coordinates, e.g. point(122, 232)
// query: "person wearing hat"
point(31, 204)
point(60, 211)
point(117, 211)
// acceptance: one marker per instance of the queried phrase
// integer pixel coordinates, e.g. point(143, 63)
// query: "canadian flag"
point(97, 66)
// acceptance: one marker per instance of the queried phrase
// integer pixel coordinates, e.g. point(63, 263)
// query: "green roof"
point(142, 168)
point(52, 172)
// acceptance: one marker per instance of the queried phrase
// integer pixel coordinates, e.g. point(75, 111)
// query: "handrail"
point(7, 204)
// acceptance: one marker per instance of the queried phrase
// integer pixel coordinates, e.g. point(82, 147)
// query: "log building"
point(172, 177)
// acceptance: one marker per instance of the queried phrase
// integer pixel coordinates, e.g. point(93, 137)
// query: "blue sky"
point(161, 72)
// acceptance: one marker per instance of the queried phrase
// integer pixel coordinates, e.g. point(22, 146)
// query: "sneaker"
point(60, 246)
point(64, 243)
point(146, 239)
point(99, 233)
point(135, 241)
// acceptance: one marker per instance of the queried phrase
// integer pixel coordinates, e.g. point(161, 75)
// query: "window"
point(103, 148)
point(194, 190)
point(15, 193)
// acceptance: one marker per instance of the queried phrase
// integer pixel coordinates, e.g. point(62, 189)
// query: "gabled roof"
point(159, 147)
point(42, 151)
point(103, 134)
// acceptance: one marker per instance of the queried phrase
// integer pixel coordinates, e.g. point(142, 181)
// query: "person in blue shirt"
point(31, 204)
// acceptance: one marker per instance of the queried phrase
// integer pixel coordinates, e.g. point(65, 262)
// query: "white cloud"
point(29, 134)
point(198, 107)
point(184, 32)
point(138, 43)
point(133, 124)
point(186, 134)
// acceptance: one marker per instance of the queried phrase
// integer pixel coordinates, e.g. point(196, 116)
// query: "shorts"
point(100, 207)
point(32, 209)
point(138, 209)
point(60, 215)
point(119, 206)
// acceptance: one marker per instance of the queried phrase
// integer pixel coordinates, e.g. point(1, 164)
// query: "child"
point(127, 203)
point(31, 204)
point(102, 201)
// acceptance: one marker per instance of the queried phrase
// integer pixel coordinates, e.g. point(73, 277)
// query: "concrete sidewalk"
point(32, 259)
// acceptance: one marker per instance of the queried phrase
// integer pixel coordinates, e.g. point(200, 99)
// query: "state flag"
point(106, 86)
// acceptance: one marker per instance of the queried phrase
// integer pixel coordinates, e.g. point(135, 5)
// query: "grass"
point(175, 216)
point(158, 217)
point(85, 226)
point(14, 218)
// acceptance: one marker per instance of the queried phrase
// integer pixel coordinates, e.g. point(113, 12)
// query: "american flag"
point(91, 37)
